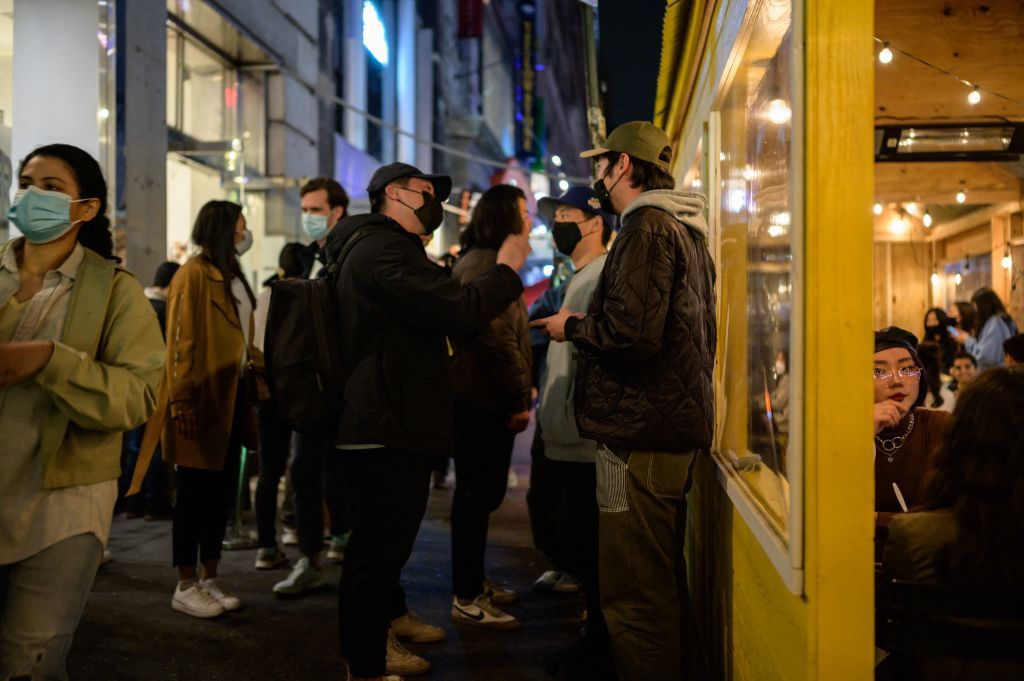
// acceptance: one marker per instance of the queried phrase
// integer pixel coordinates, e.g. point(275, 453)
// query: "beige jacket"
point(102, 376)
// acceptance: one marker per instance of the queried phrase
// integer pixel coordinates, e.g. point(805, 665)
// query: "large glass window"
point(757, 237)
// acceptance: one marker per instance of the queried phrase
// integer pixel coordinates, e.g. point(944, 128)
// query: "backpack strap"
point(356, 237)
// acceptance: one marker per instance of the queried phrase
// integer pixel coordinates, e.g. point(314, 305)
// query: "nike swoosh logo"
point(476, 618)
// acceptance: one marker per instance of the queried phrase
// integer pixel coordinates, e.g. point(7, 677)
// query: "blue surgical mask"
point(315, 226)
point(42, 215)
point(242, 247)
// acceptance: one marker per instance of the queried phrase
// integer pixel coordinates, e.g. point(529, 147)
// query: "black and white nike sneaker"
point(482, 613)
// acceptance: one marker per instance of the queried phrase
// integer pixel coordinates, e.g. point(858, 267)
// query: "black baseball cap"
point(895, 337)
point(385, 175)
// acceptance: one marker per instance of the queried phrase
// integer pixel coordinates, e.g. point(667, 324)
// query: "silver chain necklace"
point(891, 446)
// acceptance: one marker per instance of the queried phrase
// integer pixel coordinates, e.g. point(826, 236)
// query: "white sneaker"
point(547, 581)
point(567, 584)
point(304, 577)
point(498, 595)
point(216, 588)
point(482, 613)
point(411, 628)
point(401, 660)
point(196, 601)
point(290, 536)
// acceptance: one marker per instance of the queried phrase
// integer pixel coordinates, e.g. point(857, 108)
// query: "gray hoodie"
point(686, 207)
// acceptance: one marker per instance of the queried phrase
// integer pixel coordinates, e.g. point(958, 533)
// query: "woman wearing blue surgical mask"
point(206, 406)
point(80, 361)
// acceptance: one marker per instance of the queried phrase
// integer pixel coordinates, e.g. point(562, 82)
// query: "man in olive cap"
point(644, 392)
point(395, 309)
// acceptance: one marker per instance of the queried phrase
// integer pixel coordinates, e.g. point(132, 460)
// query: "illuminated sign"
point(374, 38)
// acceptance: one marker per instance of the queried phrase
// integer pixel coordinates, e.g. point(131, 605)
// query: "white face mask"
point(245, 244)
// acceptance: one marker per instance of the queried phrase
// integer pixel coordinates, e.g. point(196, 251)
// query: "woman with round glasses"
point(905, 432)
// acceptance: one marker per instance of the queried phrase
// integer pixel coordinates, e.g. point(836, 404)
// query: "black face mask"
point(933, 331)
point(567, 236)
point(430, 214)
point(604, 194)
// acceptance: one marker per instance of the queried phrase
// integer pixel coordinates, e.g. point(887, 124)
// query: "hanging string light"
point(885, 56)
point(927, 219)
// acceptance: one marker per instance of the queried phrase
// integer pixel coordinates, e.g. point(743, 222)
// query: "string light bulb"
point(885, 56)
point(975, 96)
point(1007, 261)
point(957, 279)
point(877, 209)
point(927, 219)
point(935, 276)
point(961, 196)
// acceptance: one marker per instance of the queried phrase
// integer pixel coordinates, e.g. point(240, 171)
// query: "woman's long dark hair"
point(968, 315)
point(214, 234)
point(929, 352)
point(979, 474)
point(988, 304)
point(495, 217)
point(94, 234)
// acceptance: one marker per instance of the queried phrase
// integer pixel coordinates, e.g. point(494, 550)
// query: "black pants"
point(317, 474)
point(201, 511)
point(387, 491)
point(483, 452)
point(548, 510)
point(275, 446)
point(580, 487)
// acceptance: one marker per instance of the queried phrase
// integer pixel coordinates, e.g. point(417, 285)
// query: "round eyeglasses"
point(908, 374)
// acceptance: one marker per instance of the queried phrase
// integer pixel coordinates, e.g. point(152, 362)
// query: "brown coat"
point(203, 370)
point(492, 367)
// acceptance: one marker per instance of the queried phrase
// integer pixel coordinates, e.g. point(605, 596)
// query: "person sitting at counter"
point(968, 537)
point(905, 432)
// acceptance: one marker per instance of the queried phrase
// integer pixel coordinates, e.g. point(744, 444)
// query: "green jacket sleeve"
point(117, 390)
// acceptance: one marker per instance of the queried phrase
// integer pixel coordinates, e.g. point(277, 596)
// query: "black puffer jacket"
point(492, 366)
point(646, 348)
point(396, 308)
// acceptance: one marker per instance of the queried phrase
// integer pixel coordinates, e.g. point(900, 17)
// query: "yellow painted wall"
point(749, 624)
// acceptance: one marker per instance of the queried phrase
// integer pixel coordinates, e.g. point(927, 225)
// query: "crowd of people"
point(440, 361)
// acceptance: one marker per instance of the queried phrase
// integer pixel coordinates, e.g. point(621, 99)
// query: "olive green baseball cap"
point(639, 139)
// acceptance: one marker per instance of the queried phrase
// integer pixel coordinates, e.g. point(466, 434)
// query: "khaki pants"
point(642, 503)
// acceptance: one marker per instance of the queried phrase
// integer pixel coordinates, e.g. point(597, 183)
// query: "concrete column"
point(145, 135)
point(355, 75)
point(425, 98)
point(72, 71)
point(405, 39)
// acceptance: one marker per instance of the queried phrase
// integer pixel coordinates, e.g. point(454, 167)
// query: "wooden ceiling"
point(980, 41)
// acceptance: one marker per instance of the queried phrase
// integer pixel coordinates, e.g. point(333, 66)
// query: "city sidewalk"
point(129, 632)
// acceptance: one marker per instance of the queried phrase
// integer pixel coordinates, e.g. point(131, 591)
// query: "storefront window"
point(758, 238)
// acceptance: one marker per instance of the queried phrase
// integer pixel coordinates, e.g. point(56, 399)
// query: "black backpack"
point(301, 349)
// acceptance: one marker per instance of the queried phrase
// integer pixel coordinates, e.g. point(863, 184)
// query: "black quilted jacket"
point(646, 348)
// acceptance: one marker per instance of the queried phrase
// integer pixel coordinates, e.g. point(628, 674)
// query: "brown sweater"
point(909, 464)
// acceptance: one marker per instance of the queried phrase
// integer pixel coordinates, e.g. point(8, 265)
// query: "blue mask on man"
point(42, 215)
point(315, 226)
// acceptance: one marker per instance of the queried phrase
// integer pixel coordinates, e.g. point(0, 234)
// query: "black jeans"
point(483, 452)
point(275, 446)
point(546, 503)
point(387, 491)
point(317, 474)
point(201, 511)
point(580, 486)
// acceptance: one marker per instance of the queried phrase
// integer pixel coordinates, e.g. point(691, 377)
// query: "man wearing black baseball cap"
point(396, 309)
point(644, 392)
